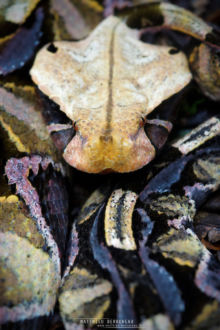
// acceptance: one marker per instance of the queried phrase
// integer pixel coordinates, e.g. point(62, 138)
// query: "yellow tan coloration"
point(205, 64)
point(13, 137)
point(208, 318)
point(118, 220)
point(16, 11)
point(183, 20)
point(199, 135)
point(83, 294)
point(208, 169)
point(28, 276)
point(29, 280)
point(106, 84)
point(22, 122)
point(14, 220)
point(181, 246)
point(91, 205)
point(177, 208)
point(158, 321)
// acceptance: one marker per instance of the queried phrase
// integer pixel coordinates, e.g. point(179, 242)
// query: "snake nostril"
point(106, 138)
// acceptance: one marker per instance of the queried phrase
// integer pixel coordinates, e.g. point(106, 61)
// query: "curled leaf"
point(205, 63)
point(174, 17)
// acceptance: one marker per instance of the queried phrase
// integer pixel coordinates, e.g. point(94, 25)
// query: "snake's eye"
point(157, 134)
point(75, 126)
point(142, 122)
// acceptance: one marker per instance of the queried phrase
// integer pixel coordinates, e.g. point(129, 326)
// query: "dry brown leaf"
point(21, 118)
point(16, 11)
point(68, 22)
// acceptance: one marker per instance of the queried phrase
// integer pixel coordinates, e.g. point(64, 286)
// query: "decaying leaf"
point(205, 63)
point(21, 118)
point(68, 22)
point(14, 220)
point(17, 171)
point(29, 277)
point(16, 11)
point(20, 102)
point(111, 5)
point(137, 77)
point(177, 18)
point(83, 294)
point(89, 5)
point(30, 280)
point(204, 59)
